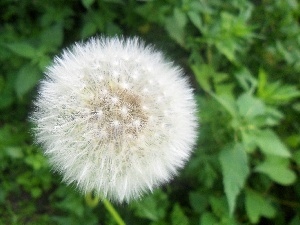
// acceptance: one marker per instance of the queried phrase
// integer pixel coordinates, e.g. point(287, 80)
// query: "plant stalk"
point(113, 212)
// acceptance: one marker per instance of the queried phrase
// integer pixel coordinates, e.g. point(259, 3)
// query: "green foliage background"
point(243, 59)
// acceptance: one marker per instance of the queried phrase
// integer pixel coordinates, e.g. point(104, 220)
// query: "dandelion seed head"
point(113, 116)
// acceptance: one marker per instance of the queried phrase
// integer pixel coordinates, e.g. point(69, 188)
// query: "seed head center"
point(119, 112)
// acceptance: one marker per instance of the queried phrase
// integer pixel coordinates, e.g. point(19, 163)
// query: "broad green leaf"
point(228, 220)
point(203, 75)
point(284, 51)
point(235, 171)
point(88, 29)
point(219, 78)
point(23, 49)
point(293, 140)
point(209, 175)
point(14, 152)
point(219, 206)
point(87, 3)
point(224, 88)
point(258, 206)
point(52, 37)
point(27, 78)
point(152, 207)
point(296, 157)
point(36, 161)
point(112, 29)
point(276, 92)
point(6, 93)
point(246, 80)
point(44, 61)
point(227, 47)
point(273, 116)
point(180, 17)
point(248, 141)
point(228, 103)
point(285, 93)
point(208, 78)
point(175, 30)
point(195, 19)
point(36, 192)
point(11, 135)
point(178, 217)
point(277, 168)
point(71, 203)
point(269, 143)
point(198, 201)
point(201, 7)
point(296, 106)
point(220, 209)
point(249, 106)
point(221, 84)
point(295, 220)
point(208, 218)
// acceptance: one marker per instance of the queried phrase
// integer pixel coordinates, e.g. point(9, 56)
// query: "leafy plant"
point(242, 58)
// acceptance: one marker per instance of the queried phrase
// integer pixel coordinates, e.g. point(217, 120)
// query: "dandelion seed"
point(114, 117)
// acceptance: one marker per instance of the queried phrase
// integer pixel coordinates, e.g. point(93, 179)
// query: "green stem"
point(113, 212)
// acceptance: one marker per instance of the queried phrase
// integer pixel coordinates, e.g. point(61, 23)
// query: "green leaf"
point(276, 92)
point(219, 206)
point(113, 29)
point(285, 93)
point(6, 92)
point(87, 3)
point(71, 203)
point(277, 168)
point(175, 30)
point(88, 29)
point(288, 56)
point(273, 116)
point(203, 75)
point(14, 152)
point(296, 106)
point(44, 61)
point(36, 161)
point(246, 80)
point(152, 207)
point(23, 49)
point(27, 78)
point(52, 37)
point(221, 84)
point(198, 201)
point(295, 220)
point(248, 141)
point(235, 171)
point(36, 192)
point(178, 217)
point(296, 157)
point(270, 143)
point(227, 47)
point(208, 218)
point(195, 19)
point(258, 206)
point(228, 103)
point(209, 175)
point(250, 106)
point(293, 140)
point(180, 17)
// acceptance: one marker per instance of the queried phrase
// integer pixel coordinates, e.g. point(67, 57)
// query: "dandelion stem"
point(113, 212)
